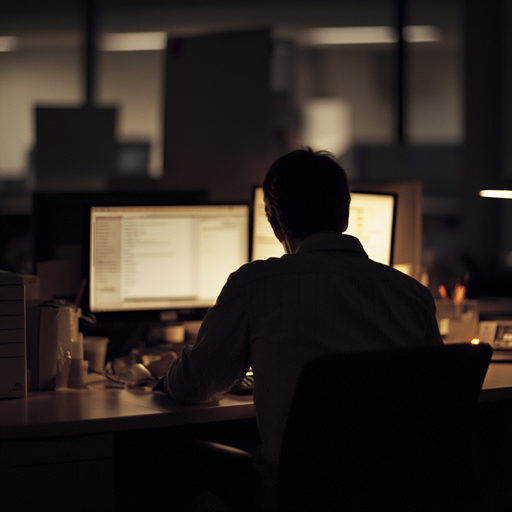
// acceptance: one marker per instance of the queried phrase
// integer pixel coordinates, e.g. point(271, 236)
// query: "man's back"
point(328, 297)
point(323, 296)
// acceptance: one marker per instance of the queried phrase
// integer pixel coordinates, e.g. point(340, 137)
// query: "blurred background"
point(399, 90)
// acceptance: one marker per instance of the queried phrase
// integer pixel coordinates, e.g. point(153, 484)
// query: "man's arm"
point(220, 356)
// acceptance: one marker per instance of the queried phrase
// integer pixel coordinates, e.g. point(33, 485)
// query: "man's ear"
point(276, 228)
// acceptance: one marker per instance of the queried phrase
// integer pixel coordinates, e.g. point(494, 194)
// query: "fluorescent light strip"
point(136, 41)
point(498, 194)
point(142, 41)
point(421, 34)
point(371, 35)
point(9, 43)
point(351, 35)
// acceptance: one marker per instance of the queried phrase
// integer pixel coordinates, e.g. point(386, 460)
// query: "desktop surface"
point(99, 409)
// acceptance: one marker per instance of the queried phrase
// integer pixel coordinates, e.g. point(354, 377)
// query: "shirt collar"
point(330, 242)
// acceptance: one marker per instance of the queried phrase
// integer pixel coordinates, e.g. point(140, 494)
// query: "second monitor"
point(371, 220)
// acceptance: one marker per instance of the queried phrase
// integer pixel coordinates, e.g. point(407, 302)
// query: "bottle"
point(66, 329)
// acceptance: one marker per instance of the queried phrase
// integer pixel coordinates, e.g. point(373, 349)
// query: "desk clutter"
point(42, 347)
point(144, 365)
point(66, 356)
point(55, 346)
point(458, 320)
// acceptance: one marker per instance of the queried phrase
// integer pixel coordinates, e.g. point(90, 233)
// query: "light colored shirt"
point(276, 315)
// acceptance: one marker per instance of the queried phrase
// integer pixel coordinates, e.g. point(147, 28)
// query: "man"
point(325, 295)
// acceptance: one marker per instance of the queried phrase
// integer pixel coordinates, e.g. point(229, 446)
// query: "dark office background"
point(444, 100)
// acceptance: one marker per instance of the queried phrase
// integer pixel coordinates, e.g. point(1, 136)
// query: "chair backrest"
point(386, 430)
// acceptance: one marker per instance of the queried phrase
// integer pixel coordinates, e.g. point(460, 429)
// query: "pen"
point(442, 292)
point(459, 293)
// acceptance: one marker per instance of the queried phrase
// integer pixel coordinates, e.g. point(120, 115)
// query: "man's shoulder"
point(260, 268)
point(367, 269)
point(393, 275)
point(405, 282)
point(249, 273)
point(391, 272)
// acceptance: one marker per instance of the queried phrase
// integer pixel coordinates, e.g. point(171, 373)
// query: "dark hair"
point(306, 192)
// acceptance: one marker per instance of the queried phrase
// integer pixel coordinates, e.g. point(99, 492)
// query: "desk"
point(57, 449)
point(498, 382)
point(54, 442)
point(72, 412)
point(68, 412)
point(493, 446)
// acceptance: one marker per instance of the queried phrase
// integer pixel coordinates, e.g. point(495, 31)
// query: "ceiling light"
point(498, 194)
point(136, 41)
point(351, 35)
point(9, 43)
point(371, 35)
point(421, 34)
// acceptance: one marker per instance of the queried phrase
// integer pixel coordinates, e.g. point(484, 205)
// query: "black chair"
point(388, 430)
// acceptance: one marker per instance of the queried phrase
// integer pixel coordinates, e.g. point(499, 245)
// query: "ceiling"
point(19, 17)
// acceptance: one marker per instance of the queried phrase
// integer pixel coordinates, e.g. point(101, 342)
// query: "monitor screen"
point(371, 220)
point(163, 257)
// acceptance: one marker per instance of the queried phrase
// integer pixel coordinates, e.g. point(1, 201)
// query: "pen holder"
point(458, 322)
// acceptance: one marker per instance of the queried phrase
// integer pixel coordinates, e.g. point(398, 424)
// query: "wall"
point(29, 78)
point(366, 80)
point(134, 82)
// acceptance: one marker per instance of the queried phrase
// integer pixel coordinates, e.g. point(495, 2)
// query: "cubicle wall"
point(218, 113)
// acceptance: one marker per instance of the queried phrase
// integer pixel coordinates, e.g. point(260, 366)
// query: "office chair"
point(388, 430)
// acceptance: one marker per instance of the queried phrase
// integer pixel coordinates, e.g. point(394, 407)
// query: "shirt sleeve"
point(220, 356)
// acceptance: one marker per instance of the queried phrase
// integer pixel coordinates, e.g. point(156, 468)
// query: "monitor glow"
point(371, 220)
point(163, 257)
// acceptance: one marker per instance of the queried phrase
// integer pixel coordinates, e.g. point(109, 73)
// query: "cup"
point(95, 351)
point(78, 373)
point(458, 322)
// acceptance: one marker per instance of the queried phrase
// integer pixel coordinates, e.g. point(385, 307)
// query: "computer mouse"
point(243, 386)
point(134, 373)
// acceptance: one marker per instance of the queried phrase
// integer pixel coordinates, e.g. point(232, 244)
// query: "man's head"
point(306, 192)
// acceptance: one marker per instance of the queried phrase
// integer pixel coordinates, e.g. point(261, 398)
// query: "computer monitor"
point(408, 238)
point(161, 258)
point(371, 220)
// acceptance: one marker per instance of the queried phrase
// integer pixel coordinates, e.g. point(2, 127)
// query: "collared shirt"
point(276, 315)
